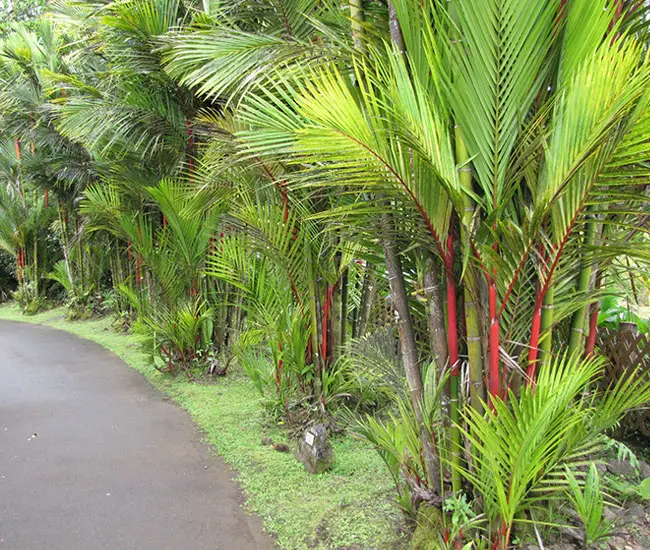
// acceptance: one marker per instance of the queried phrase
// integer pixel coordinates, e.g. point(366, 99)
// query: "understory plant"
point(523, 447)
point(589, 503)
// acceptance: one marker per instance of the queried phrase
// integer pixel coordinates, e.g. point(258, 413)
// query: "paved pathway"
point(93, 458)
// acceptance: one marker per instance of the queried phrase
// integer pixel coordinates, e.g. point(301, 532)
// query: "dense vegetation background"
point(398, 219)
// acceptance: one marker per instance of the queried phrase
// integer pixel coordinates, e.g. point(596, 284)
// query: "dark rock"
point(281, 447)
point(601, 467)
point(634, 512)
point(315, 450)
point(572, 533)
point(611, 514)
point(644, 469)
point(267, 441)
point(621, 468)
point(617, 543)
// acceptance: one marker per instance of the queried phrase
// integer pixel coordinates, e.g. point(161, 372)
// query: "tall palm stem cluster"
point(306, 186)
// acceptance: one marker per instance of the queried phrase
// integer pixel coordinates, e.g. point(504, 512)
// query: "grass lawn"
point(346, 508)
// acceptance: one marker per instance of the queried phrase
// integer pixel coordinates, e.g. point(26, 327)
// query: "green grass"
point(347, 507)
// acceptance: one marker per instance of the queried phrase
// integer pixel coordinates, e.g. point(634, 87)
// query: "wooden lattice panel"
point(626, 351)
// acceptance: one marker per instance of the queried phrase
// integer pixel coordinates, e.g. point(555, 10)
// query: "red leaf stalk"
point(590, 344)
point(329, 291)
point(452, 311)
point(493, 382)
point(533, 350)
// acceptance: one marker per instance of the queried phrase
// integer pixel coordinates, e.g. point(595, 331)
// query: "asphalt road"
point(92, 457)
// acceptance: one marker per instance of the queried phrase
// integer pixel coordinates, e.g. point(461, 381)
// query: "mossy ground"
point(347, 507)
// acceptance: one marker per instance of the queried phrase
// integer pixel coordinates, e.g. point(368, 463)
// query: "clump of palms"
point(273, 182)
point(523, 447)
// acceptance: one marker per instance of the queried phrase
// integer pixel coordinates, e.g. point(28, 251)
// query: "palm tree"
point(500, 134)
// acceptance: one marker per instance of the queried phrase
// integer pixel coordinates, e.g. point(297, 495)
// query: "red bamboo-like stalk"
point(590, 344)
point(493, 382)
point(452, 313)
point(452, 343)
point(47, 197)
point(329, 291)
point(533, 350)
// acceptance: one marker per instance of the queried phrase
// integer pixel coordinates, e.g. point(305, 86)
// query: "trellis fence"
point(626, 350)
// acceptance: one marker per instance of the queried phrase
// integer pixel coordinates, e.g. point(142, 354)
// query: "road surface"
point(92, 457)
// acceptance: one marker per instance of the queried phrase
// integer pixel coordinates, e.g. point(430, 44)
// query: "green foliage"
point(28, 299)
point(397, 440)
point(7, 275)
point(612, 313)
point(61, 274)
point(523, 447)
point(19, 11)
point(174, 335)
point(222, 167)
point(643, 489)
point(587, 499)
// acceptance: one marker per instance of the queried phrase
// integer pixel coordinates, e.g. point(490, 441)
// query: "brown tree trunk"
point(436, 314)
point(368, 293)
point(399, 300)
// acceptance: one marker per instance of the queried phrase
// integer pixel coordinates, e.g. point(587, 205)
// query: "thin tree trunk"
point(224, 320)
point(399, 300)
point(471, 288)
point(454, 365)
point(313, 313)
point(335, 323)
point(395, 30)
point(494, 383)
point(35, 247)
point(590, 345)
point(436, 314)
point(65, 247)
point(474, 341)
point(401, 306)
point(35, 263)
point(368, 293)
point(343, 313)
point(577, 336)
point(357, 17)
